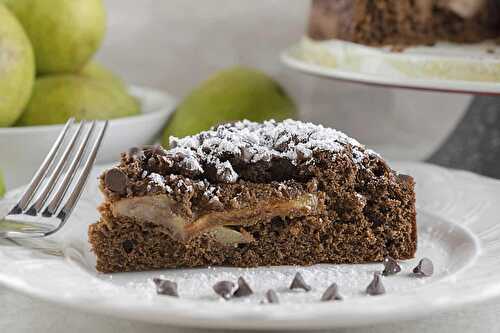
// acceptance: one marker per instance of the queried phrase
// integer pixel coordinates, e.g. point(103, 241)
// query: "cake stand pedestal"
point(474, 145)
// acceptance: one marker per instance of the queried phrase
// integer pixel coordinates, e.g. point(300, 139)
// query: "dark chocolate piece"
point(375, 287)
point(243, 288)
point(299, 283)
point(424, 268)
point(136, 152)
point(224, 289)
point(166, 287)
point(116, 180)
point(272, 297)
point(331, 294)
point(391, 266)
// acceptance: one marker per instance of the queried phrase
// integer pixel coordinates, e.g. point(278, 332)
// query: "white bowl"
point(22, 149)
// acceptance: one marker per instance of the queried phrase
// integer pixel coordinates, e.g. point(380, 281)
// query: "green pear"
point(56, 98)
point(65, 33)
point(2, 185)
point(233, 94)
point(98, 71)
point(17, 68)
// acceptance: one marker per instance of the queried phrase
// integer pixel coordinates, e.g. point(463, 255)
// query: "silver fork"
point(31, 217)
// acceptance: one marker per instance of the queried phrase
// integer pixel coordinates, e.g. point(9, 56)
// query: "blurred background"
point(174, 45)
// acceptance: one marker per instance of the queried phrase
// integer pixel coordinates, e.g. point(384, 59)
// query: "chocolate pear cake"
point(250, 194)
point(404, 22)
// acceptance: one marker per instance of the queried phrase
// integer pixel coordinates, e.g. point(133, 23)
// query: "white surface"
point(457, 219)
point(23, 148)
point(443, 67)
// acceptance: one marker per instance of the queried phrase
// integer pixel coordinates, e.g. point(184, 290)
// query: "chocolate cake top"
point(251, 143)
point(258, 152)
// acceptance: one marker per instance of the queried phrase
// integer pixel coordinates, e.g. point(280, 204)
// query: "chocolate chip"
point(375, 287)
point(128, 246)
point(391, 266)
point(243, 288)
point(299, 283)
point(272, 297)
point(165, 287)
point(224, 289)
point(277, 224)
point(405, 179)
point(246, 154)
point(424, 268)
point(331, 294)
point(115, 180)
point(158, 150)
point(136, 152)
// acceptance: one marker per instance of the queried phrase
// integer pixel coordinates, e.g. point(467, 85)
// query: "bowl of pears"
point(48, 75)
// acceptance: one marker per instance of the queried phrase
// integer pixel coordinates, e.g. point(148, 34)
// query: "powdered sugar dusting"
point(159, 180)
point(260, 142)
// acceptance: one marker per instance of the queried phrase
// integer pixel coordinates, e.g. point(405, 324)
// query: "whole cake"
point(404, 22)
point(250, 194)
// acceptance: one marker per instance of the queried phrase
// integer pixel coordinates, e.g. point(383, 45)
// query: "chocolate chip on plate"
point(375, 287)
point(424, 268)
point(299, 283)
point(271, 297)
point(391, 266)
point(243, 288)
point(115, 180)
point(331, 294)
point(224, 289)
point(166, 287)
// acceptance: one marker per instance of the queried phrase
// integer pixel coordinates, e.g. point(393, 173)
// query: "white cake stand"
point(474, 145)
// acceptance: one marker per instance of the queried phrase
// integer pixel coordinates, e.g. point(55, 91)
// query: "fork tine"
point(40, 173)
point(40, 201)
point(56, 201)
point(77, 191)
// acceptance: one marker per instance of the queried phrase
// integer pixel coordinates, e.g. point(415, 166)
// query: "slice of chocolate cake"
point(404, 22)
point(251, 194)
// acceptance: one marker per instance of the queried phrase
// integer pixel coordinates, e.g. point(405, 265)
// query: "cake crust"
point(249, 194)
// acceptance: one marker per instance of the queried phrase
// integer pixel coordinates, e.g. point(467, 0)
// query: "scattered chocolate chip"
point(299, 283)
point(224, 289)
point(424, 268)
point(331, 294)
point(375, 287)
point(272, 297)
point(243, 288)
point(165, 287)
point(391, 266)
point(115, 180)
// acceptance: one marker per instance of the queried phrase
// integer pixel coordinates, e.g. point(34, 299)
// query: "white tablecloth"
point(21, 314)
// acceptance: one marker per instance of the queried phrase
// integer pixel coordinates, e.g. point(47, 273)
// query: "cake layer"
point(404, 22)
point(249, 194)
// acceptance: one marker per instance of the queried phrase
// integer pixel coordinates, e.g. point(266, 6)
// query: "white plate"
point(458, 229)
point(26, 147)
point(444, 67)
